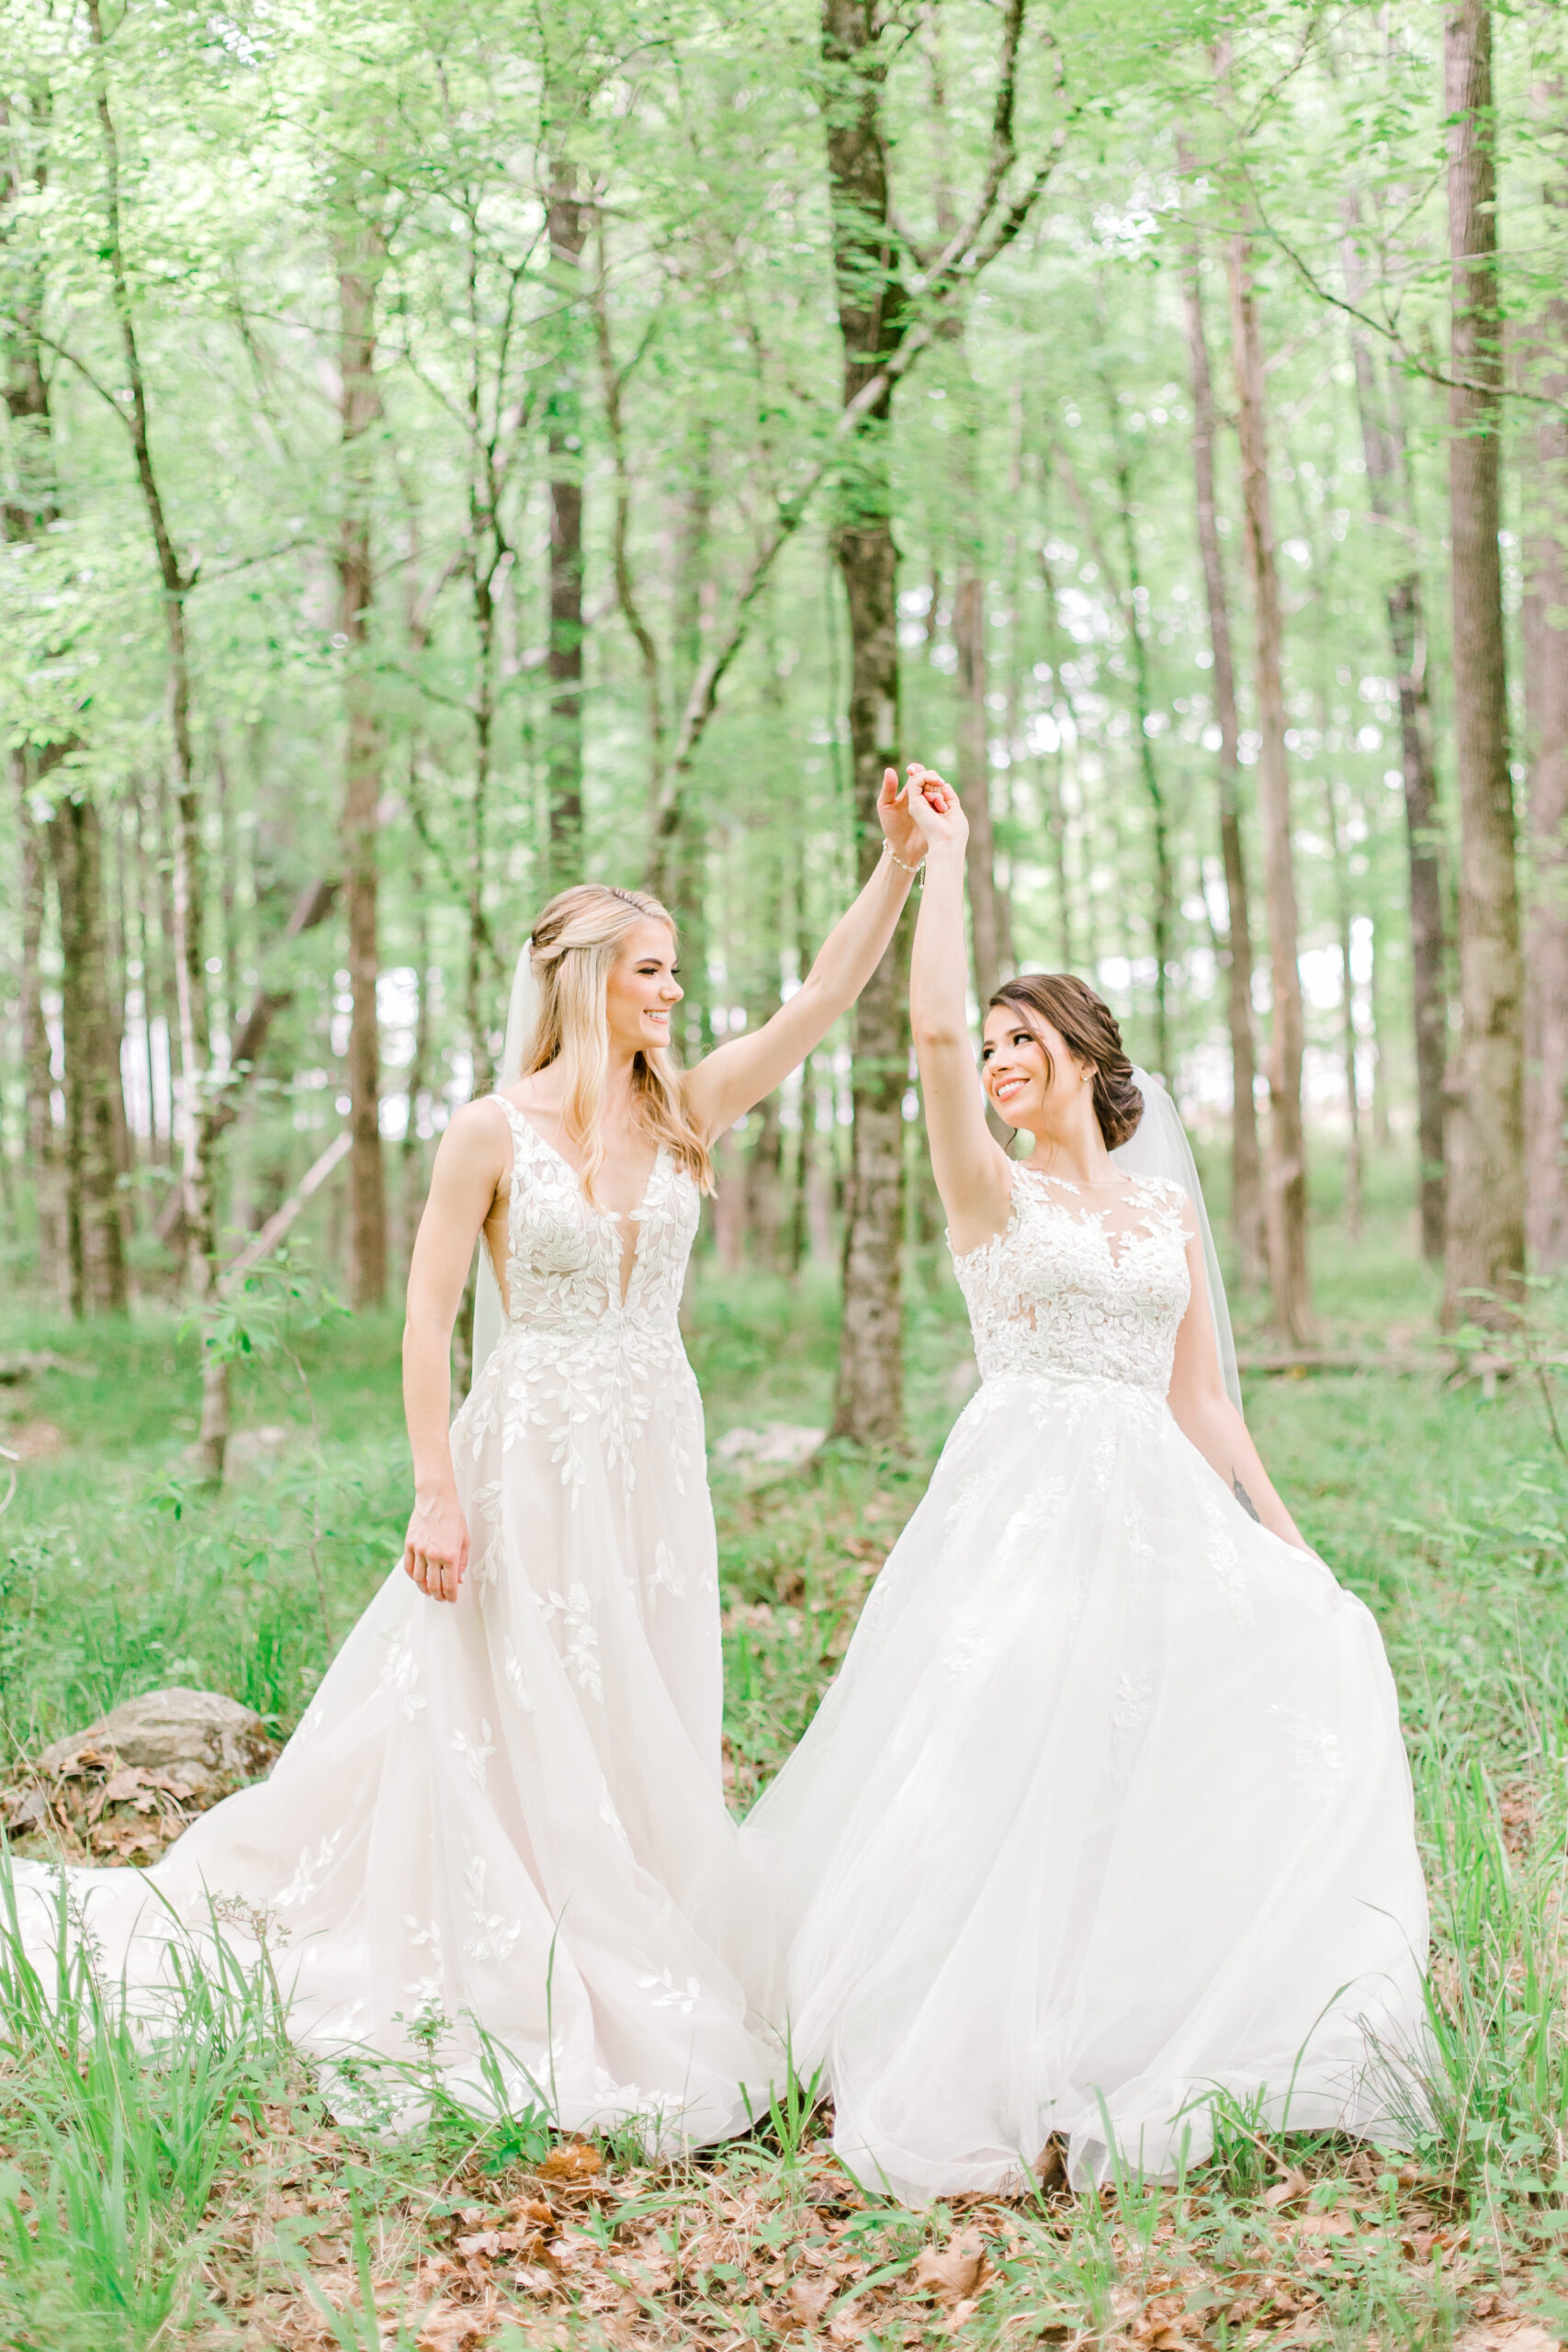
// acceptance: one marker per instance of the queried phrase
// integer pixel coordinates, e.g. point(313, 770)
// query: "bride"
point(500, 1830)
point(1107, 1812)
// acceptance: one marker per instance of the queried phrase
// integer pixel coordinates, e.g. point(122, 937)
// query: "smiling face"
point(1029, 1070)
point(642, 990)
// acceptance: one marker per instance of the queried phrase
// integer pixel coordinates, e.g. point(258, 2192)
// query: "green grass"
point(196, 2192)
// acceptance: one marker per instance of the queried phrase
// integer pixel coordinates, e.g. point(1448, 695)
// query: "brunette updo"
point(1088, 1026)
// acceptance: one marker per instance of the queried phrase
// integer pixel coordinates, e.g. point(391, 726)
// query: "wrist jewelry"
point(903, 868)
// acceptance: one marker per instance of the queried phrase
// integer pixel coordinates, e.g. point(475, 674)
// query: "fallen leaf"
point(577, 2160)
point(1326, 2226)
point(953, 2273)
point(450, 2327)
point(808, 2299)
point(1508, 2336)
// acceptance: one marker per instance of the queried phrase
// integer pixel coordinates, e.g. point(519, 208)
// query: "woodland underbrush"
point(194, 2188)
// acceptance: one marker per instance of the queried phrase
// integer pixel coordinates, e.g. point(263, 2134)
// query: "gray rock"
point(211, 1742)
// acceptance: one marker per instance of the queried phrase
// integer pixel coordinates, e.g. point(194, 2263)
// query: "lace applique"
point(576, 1359)
point(476, 1754)
point(311, 1868)
point(666, 1577)
point(516, 1681)
point(1134, 1697)
point(580, 1641)
point(1317, 1762)
point(1062, 1291)
point(668, 1995)
point(612, 1819)
point(400, 1673)
point(426, 1991)
point(497, 1936)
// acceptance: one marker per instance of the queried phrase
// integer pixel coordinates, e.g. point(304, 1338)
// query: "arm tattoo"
point(1243, 1498)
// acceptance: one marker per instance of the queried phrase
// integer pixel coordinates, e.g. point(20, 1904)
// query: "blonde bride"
point(500, 1831)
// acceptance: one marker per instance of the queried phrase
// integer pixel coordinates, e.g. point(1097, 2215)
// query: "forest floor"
point(202, 2196)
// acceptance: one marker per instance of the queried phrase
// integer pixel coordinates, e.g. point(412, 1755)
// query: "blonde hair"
point(574, 945)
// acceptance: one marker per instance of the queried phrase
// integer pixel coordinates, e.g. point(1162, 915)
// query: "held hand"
point(934, 807)
point(899, 829)
point(436, 1549)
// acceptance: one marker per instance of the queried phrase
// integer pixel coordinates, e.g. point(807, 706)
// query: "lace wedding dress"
point(1107, 1809)
point(507, 1812)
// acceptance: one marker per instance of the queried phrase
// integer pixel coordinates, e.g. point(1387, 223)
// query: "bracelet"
point(898, 862)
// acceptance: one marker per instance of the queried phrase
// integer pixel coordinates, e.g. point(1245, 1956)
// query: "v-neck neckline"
point(617, 1218)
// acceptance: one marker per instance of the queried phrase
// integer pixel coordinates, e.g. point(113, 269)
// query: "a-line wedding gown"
point(1108, 1808)
point(508, 1810)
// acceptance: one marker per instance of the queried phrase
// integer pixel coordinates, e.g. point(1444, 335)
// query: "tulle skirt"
point(1106, 1817)
point(500, 1830)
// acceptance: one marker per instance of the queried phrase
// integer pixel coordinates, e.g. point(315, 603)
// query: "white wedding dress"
point(508, 1811)
point(1108, 1808)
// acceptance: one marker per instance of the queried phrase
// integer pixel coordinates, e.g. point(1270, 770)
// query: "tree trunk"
point(189, 877)
point(868, 1404)
point(1382, 444)
point(1343, 920)
point(94, 1231)
point(1544, 629)
point(566, 224)
point(1246, 1166)
point(1137, 628)
point(973, 722)
point(1287, 1188)
point(31, 504)
point(1485, 1236)
point(37, 1078)
point(358, 253)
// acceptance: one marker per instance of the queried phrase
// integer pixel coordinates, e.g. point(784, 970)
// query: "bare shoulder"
point(477, 1139)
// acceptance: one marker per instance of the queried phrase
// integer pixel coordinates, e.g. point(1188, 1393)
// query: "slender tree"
point(1545, 632)
point(1388, 493)
point(1485, 1232)
point(359, 256)
point(1286, 1201)
point(1246, 1172)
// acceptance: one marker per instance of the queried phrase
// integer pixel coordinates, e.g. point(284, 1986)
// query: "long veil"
point(522, 1010)
point(1159, 1148)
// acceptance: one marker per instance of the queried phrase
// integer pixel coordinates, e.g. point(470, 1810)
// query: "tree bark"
point(1246, 1166)
point(1287, 1187)
point(1137, 629)
point(566, 226)
point(31, 504)
point(1544, 630)
point(1382, 444)
point(868, 1404)
point(94, 1229)
point(358, 253)
point(974, 721)
point(37, 1078)
point(1484, 1257)
point(188, 876)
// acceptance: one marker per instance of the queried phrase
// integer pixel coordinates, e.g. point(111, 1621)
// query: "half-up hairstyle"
point(1088, 1026)
point(574, 944)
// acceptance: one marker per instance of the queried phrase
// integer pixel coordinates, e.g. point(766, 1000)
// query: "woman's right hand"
point(934, 806)
point(436, 1549)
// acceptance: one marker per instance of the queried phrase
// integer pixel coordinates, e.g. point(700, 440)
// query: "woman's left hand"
point(903, 836)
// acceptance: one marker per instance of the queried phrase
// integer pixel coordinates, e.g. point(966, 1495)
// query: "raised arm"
point(1204, 1413)
point(469, 1165)
point(971, 1171)
point(734, 1076)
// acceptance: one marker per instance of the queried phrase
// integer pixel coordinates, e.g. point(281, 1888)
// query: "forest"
point(450, 451)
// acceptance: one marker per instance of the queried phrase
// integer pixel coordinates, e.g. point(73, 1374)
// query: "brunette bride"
point(1107, 1812)
point(501, 1826)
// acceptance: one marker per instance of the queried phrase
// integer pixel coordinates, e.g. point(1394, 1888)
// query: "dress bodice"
point(565, 1258)
point(1071, 1288)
